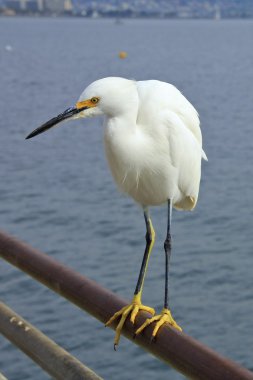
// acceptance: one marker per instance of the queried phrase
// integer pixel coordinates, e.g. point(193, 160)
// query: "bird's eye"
point(94, 100)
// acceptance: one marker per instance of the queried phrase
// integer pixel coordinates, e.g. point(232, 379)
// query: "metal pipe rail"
point(185, 354)
point(44, 351)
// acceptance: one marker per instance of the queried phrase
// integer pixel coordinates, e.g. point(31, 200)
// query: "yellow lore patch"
point(89, 103)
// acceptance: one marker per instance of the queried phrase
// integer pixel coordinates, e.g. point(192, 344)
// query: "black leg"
point(167, 249)
point(165, 316)
point(150, 237)
point(136, 305)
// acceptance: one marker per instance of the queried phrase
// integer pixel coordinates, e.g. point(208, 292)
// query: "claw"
point(161, 319)
point(133, 308)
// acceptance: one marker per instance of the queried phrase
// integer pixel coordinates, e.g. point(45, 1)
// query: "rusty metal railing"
point(41, 349)
point(185, 354)
point(2, 377)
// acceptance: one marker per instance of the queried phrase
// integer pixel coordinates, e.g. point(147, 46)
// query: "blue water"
point(57, 194)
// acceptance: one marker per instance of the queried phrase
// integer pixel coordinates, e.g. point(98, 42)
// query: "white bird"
point(153, 145)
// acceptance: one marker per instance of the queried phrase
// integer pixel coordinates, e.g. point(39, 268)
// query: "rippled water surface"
point(57, 194)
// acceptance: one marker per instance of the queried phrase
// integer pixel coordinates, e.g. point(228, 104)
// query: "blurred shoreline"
point(77, 9)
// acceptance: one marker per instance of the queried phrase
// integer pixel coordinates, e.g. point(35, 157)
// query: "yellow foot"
point(161, 319)
point(133, 308)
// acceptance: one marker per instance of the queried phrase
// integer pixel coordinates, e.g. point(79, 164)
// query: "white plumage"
point(152, 138)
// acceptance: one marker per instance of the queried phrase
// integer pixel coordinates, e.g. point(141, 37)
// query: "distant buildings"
point(215, 9)
point(20, 6)
point(56, 7)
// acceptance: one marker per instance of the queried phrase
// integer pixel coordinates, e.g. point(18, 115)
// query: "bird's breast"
point(139, 167)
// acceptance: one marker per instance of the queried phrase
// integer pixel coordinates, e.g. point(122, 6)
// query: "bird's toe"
point(132, 310)
point(164, 318)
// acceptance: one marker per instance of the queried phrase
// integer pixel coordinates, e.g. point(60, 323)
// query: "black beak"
point(68, 113)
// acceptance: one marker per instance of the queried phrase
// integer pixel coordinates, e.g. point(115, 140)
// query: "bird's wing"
point(156, 96)
point(186, 113)
point(185, 153)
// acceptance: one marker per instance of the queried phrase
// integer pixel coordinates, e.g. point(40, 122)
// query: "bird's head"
point(108, 96)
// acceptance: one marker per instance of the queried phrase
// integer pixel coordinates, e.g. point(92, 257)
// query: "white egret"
point(153, 145)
